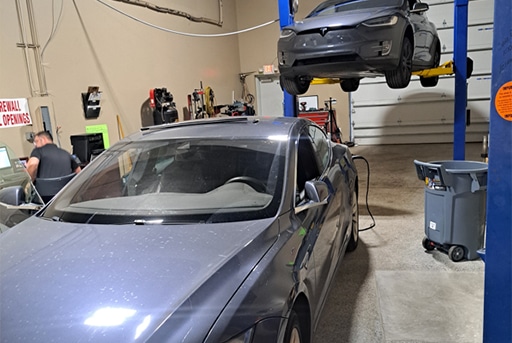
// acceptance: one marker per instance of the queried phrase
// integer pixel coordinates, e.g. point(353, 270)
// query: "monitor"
point(5, 161)
point(87, 145)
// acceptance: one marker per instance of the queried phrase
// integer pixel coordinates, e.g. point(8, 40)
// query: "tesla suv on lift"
point(352, 39)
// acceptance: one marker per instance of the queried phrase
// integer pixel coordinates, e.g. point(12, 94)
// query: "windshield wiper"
point(167, 222)
point(148, 222)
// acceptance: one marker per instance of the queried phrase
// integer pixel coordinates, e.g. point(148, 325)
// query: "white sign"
point(14, 112)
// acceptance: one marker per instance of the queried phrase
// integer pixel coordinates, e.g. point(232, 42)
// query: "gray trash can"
point(455, 201)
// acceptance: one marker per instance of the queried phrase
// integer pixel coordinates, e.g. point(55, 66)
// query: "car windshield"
point(176, 181)
point(332, 7)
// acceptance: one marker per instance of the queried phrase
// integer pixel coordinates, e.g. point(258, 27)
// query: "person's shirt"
point(53, 161)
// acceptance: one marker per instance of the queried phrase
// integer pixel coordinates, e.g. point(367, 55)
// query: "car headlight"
point(287, 33)
point(244, 337)
point(382, 21)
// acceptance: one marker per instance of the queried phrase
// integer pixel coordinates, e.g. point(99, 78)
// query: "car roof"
point(235, 127)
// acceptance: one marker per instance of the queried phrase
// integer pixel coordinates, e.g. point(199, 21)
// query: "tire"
point(349, 85)
point(456, 253)
point(294, 86)
point(293, 332)
point(427, 244)
point(432, 81)
point(401, 76)
point(354, 235)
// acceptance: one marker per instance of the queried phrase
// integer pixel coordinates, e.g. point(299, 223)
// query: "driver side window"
point(307, 166)
point(320, 146)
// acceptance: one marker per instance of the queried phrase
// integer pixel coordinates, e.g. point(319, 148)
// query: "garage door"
point(380, 115)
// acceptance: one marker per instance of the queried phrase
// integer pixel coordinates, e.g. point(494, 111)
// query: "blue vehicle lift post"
point(460, 52)
point(497, 325)
point(285, 19)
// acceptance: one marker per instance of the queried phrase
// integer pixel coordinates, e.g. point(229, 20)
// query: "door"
point(322, 223)
point(423, 37)
point(269, 96)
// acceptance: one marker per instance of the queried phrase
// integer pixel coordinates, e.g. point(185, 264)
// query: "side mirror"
point(419, 7)
point(294, 6)
point(13, 195)
point(317, 193)
point(339, 151)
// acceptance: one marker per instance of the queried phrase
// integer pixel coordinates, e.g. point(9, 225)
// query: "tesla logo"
point(323, 31)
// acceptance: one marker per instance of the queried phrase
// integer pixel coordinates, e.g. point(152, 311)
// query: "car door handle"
point(304, 263)
point(305, 260)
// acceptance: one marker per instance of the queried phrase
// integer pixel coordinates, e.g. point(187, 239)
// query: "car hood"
point(349, 18)
point(66, 282)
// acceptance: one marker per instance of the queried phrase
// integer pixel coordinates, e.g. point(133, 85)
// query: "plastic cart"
point(455, 201)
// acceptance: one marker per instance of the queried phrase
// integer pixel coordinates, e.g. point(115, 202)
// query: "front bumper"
point(347, 52)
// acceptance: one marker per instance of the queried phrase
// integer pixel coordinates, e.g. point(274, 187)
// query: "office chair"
point(48, 187)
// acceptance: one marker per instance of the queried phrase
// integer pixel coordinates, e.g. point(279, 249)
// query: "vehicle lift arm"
point(447, 68)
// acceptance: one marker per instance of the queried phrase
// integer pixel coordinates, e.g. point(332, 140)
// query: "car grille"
point(324, 31)
point(325, 60)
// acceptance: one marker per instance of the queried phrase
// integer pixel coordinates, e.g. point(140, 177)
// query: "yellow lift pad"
point(446, 68)
point(324, 81)
point(443, 69)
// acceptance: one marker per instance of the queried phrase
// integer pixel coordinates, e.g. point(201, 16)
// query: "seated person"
point(47, 160)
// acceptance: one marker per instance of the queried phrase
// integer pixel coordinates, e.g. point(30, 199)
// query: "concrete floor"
point(390, 289)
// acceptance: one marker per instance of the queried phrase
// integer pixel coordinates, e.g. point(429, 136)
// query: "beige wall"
point(96, 46)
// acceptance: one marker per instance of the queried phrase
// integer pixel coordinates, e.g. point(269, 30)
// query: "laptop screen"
point(5, 161)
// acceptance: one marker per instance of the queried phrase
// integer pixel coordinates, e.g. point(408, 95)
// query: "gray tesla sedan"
point(352, 39)
point(219, 230)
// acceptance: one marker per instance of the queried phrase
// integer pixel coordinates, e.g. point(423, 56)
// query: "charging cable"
point(359, 157)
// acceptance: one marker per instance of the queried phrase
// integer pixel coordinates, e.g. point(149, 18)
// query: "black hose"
point(359, 157)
